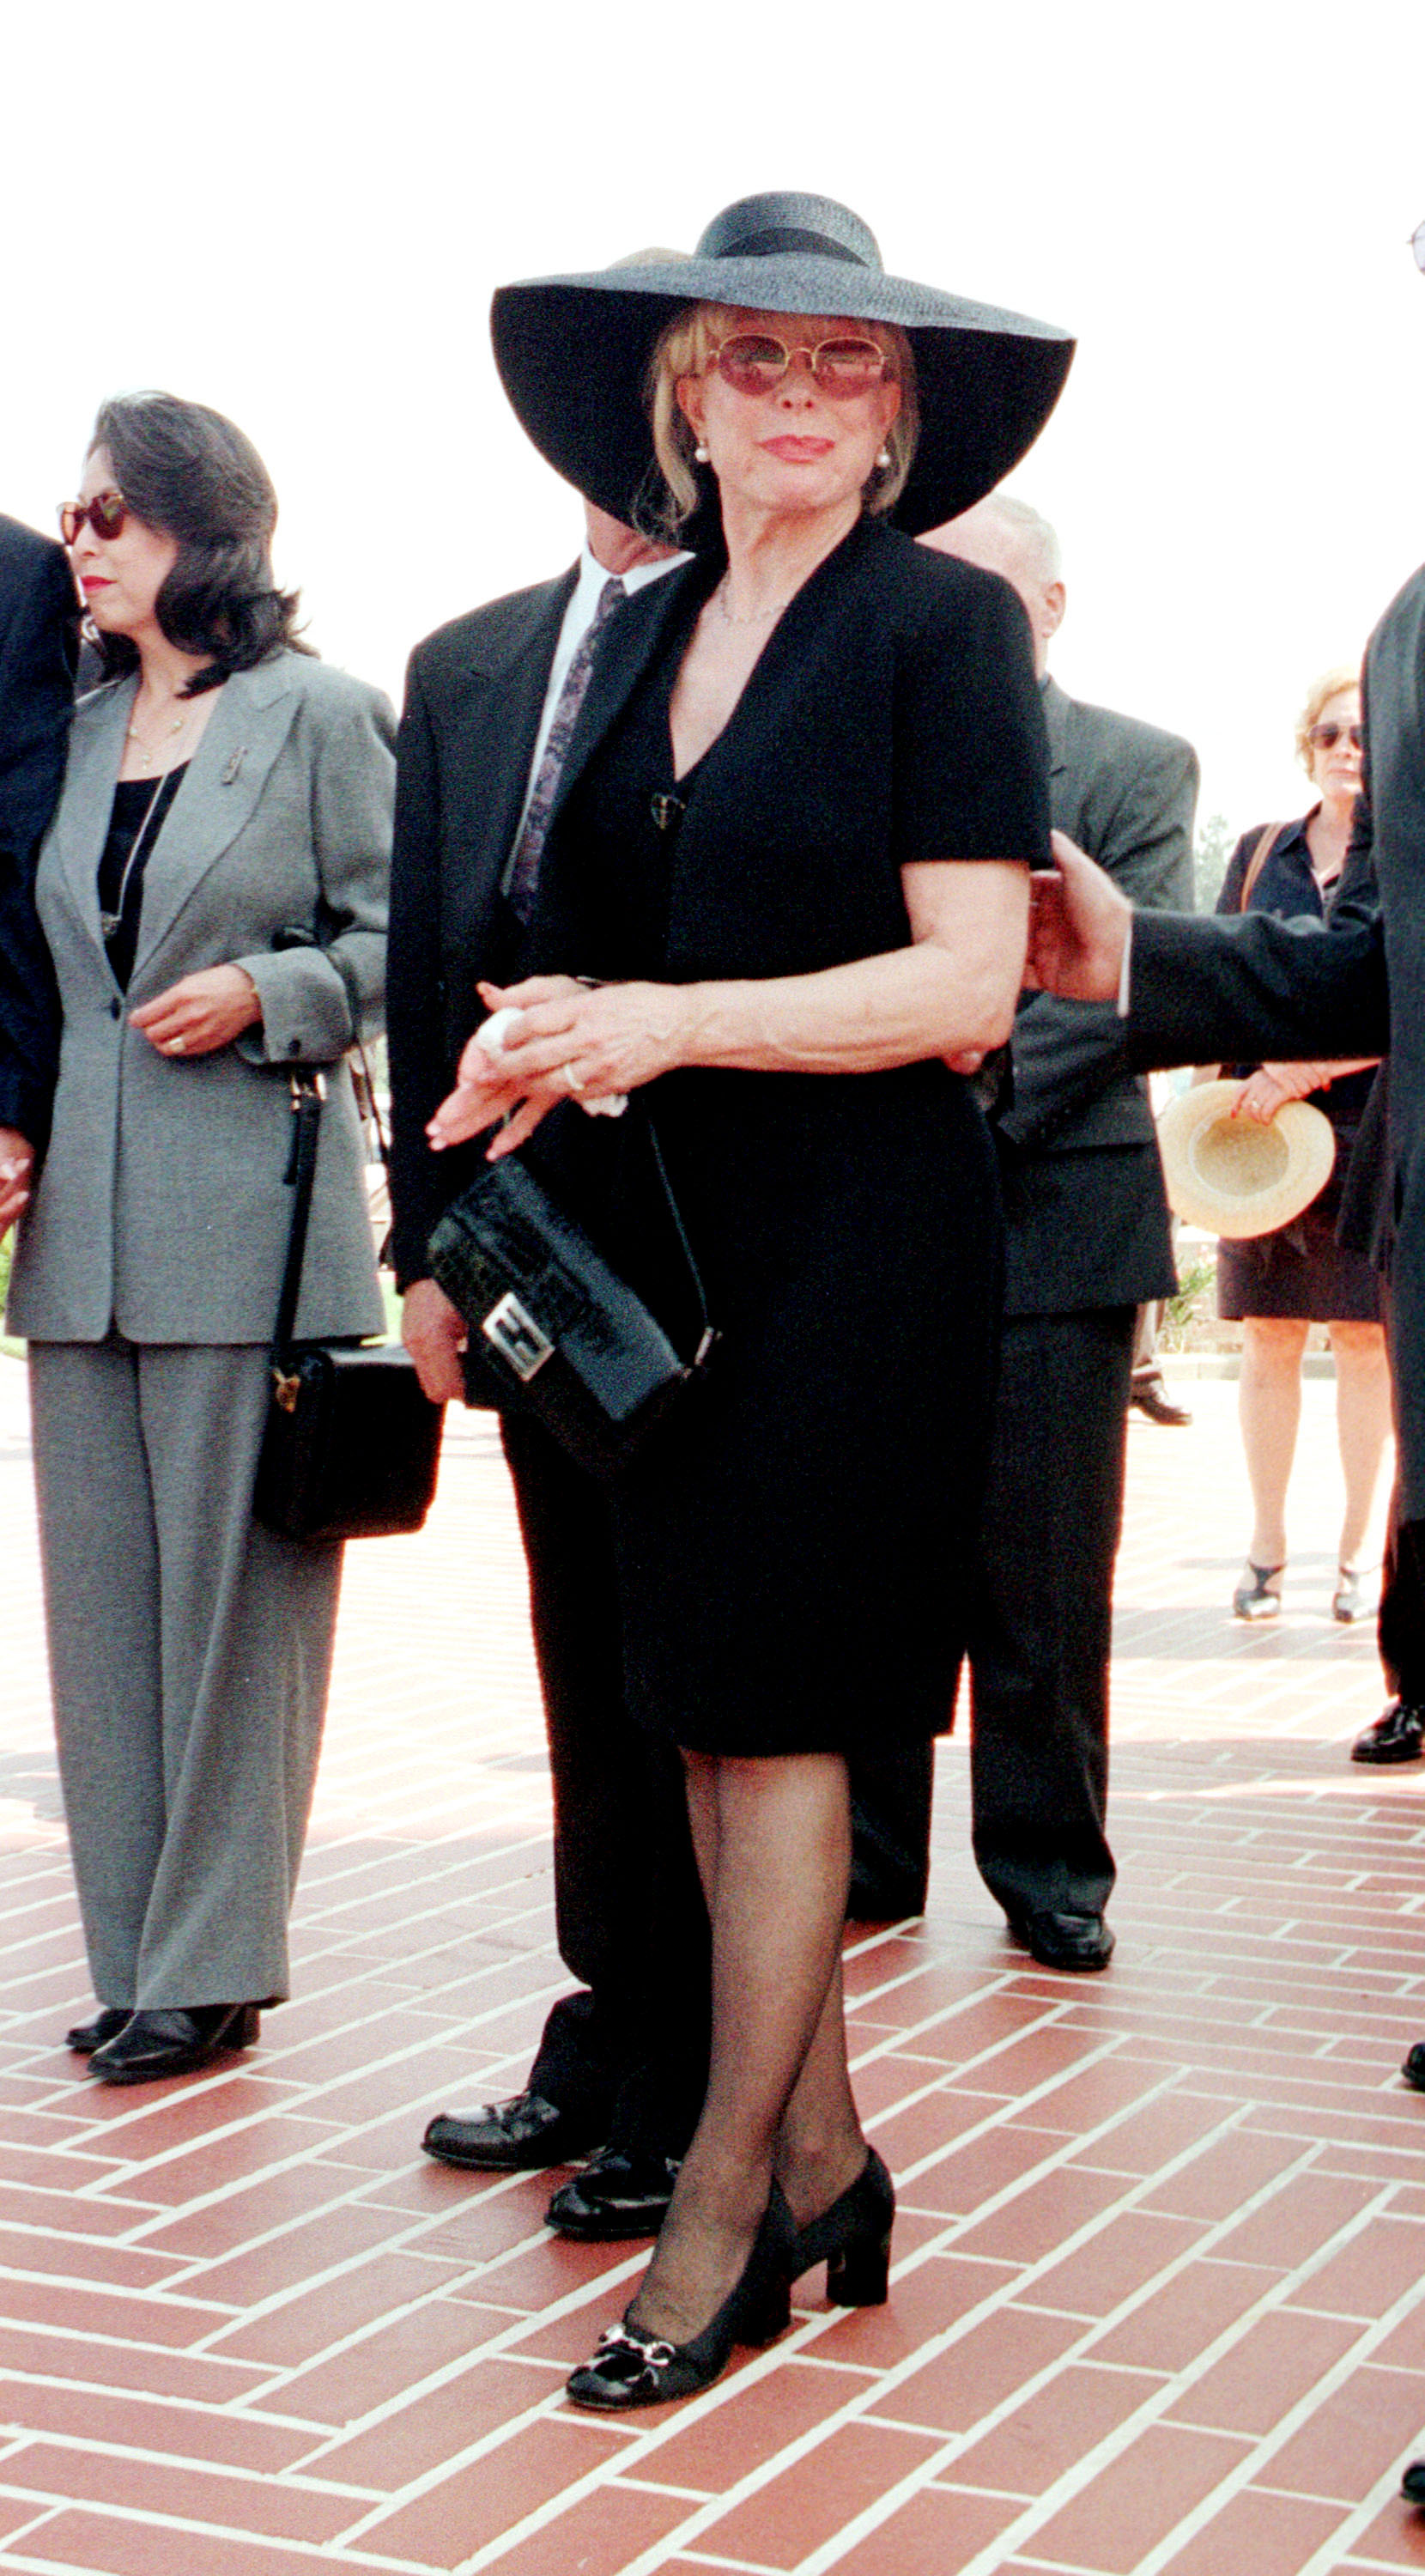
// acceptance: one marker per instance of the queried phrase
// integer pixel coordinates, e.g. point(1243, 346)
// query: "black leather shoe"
point(1079, 1943)
point(853, 2239)
point(510, 2137)
point(1398, 1735)
point(174, 2042)
point(1414, 2068)
point(621, 2192)
point(631, 2368)
point(1149, 1396)
point(1412, 2485)
point(108, 2021)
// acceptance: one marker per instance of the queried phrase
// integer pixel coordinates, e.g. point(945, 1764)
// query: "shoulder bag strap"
point(1262, 849)
point(308, 1093)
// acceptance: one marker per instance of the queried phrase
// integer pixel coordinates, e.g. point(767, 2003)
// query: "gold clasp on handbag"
point(286, 1387)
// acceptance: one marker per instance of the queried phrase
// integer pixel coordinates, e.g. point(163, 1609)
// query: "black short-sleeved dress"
point(1298, 1271)
point(794, 1548)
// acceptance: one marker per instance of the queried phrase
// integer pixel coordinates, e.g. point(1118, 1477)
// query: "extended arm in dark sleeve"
point(1255, 988)
point(36, 701)
point(1067, 1053)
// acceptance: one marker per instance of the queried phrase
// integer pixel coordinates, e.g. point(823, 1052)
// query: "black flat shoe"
point(1397, 1735)
point(620, 2193)
point(176, 2041)
point(108, 2021)
point(633, 2369)
point(853, 2239)
point(518, 2136)
point(1258, 1595)
point(1412, 2485)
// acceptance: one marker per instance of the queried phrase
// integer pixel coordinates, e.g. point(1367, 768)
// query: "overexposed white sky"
point(298, 209)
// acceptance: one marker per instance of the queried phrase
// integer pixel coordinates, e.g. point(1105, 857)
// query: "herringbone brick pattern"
point(1159, 2301)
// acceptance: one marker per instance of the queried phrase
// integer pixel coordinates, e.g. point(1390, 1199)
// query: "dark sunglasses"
point(755, 363)
point(1326, 736)
point(105, 514)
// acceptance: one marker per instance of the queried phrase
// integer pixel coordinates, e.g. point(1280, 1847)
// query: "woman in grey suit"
point(223, 789)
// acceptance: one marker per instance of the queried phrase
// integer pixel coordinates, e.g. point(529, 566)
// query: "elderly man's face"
point(982, 536)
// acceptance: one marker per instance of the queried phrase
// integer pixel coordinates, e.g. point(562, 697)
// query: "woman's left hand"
point(573, 1038)
point(201, 1012)
point(1263, 1092)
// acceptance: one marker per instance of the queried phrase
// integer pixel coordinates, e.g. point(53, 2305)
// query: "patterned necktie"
point(524, 867)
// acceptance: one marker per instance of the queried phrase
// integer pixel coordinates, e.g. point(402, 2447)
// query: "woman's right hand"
point(434, 1332)
point(17, 1165)
point(1263, 1092)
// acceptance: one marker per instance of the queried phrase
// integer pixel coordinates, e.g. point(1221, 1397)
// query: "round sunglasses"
point(1324, 737)
point(755, 362)
point(105, 514)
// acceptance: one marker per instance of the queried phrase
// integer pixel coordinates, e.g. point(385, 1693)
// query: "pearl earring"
point(883, 459)
point(700, 455)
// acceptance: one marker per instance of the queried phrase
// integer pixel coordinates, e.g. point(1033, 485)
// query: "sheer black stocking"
point(773, 1840)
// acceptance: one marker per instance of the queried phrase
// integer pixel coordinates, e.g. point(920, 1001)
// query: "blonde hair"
point(685, 347)
point(1329, 684)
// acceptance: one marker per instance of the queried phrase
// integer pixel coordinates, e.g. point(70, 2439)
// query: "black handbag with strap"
point(554, 1329)
point(352, 1444)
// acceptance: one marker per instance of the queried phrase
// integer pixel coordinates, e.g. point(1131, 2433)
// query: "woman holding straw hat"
point(782, 903)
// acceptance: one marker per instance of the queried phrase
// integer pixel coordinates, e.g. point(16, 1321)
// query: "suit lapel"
point(96, 747)
point(495, 734)
point(226, 777)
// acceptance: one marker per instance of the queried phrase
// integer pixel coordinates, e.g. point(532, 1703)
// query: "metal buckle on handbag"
point(517, 1337)
point(286, 1387)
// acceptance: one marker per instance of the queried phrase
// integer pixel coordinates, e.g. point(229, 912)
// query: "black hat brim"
point(573, 355)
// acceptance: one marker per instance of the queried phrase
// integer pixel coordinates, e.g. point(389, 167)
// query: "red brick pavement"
point(1159, 2301)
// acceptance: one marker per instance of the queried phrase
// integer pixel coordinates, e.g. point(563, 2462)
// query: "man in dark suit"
point(622, 2063)
point(1087, 1241)
point(38, 626)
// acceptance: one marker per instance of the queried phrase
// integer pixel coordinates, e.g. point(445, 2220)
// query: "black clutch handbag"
point(352, 1445)
point(554, 1330)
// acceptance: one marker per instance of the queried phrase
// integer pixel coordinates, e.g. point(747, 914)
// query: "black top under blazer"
point(794, 1554)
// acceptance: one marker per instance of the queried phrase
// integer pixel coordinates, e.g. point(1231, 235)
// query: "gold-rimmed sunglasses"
point(105, 514)
point(755, 362)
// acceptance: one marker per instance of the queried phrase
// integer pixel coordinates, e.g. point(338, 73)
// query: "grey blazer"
point(161, 1207)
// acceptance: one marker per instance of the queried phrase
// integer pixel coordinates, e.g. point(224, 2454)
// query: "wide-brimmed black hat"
point(573, 352)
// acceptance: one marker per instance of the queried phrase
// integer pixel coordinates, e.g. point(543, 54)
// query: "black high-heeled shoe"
point(632, 2369)
point(853, 2239)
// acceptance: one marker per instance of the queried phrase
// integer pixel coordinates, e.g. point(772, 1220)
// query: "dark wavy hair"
point(188, 472)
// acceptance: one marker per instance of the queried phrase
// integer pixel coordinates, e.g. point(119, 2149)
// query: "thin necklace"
point(109, 921)
point(149, 751)
point(760, 616)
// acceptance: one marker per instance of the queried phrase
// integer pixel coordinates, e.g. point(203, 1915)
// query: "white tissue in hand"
point(504, 1024)
point(493, 1033)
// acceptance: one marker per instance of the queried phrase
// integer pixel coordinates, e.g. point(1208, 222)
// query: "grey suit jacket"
point(1087, 1217)
point(161, 1207)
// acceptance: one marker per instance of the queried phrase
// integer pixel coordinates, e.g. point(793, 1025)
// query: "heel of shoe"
point(247, 2029)
point(767, 2316)
point(858, 2276)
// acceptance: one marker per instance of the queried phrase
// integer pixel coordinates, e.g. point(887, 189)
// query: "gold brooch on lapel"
point(233, 765)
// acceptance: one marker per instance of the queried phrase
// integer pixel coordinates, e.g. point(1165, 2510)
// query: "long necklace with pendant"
point(109, 921)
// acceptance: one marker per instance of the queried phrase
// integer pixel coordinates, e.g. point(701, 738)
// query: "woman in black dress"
point(794, 836)
point(1278, 1284)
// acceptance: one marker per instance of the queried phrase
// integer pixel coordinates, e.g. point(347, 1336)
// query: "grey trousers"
point(190, 1654)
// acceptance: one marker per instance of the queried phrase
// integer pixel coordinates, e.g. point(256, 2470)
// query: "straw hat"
point(1233, 1176)
point(573, 353)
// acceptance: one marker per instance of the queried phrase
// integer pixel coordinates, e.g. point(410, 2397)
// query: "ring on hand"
point(572, 1078)
point(175, 1046)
